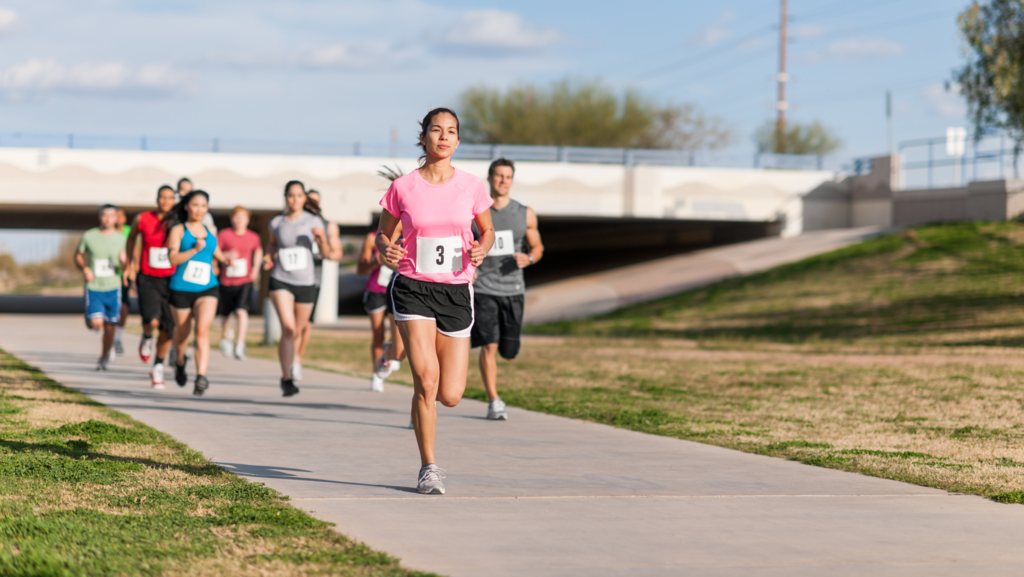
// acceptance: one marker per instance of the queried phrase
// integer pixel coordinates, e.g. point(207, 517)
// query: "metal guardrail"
point(925, 163)
point(467, 151)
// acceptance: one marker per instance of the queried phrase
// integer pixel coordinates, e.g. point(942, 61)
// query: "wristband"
point(530, 256)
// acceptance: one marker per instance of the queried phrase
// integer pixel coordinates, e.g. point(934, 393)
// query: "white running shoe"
point(296, 370)
point(395, 366)
point(156, 375)
point(430, 480)
point(146, 346)
point(225, 348)
point(240, 351)
point(496, 410)
point(382, 369)
point(111, 355)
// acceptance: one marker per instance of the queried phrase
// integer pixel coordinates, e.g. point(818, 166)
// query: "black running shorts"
point(375, 302)
point(450, 305)
point(155, 300)
point(498, 321)
point(233, 298)
point(125, 289)
point(303, 294)
point(316, 299)
point(184, 300)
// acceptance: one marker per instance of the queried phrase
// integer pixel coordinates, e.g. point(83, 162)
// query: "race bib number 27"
point(439, 255)
point(197, 273)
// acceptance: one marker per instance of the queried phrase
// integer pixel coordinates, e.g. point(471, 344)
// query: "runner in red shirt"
point(241, 247)
point(147, 249)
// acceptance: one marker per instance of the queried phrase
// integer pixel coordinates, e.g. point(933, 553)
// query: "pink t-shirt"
point(442, 215)
point(239, 250)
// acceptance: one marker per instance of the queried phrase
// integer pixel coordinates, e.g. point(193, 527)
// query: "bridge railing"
point(468, 151)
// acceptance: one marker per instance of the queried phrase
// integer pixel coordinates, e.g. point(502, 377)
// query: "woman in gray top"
point(289, 258)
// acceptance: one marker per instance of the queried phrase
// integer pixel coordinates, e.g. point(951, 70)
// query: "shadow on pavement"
point(261, 472)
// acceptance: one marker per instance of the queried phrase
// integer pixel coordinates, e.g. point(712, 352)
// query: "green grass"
point(102, 494)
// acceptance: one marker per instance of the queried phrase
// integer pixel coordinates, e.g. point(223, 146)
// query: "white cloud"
point(495, 33)
point(37, 77)
point(714, 31)
point(945, 103)
point(8, 19)
point(863, 48)
point(339, 55)
point(806, 31)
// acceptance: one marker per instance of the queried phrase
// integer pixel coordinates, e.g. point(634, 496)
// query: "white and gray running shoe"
point(240, 351)
point(118, 347)
point(382, 369)
point(101, 364)
point(111, 355)
point(431, 480)
point(146, 346)
point(496, 410)
point(296, 370)
point(225, 348)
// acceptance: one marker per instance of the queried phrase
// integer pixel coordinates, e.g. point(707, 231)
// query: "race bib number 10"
point(197, 273)
point(158, 257)
point(504, 243)
point(293, 259)
point(439, 255)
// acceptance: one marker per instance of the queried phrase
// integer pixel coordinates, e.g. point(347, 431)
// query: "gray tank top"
point(294, 262)
point(499, 275)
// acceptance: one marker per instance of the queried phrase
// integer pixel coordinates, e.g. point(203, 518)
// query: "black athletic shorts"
point(125, 289)
point(316, 299)
point(450, 305)
point(498, 321)
point(155, 300)
point(186, 300)
point(233, 298)
point(376, 302)
point(303, 294)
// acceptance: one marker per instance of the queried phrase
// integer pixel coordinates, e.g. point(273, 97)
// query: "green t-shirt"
point(103, 254)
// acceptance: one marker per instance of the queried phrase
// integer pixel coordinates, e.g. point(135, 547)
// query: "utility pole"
point(782, 105)
point(888, 118)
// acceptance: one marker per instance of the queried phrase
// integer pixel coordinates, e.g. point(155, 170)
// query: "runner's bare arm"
point(271, 254)
point(334, 241)
point(532, 240)
point(257, 257)
point(386, 246)
point(481, 247)
point(366, 260)
point(130, 248)
point(174, 243)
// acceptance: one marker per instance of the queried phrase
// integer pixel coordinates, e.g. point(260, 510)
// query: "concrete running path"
point(537, 495)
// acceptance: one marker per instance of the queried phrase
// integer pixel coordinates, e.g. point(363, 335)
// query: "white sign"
point(293, 259)
point(159, 257)
point(438, 255)
point(956, 141)
point(197, 273)
point(504, 244)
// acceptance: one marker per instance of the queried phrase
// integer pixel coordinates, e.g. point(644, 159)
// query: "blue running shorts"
point(105, 304)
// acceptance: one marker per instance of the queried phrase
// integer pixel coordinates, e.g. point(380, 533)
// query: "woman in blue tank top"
point(192, 248)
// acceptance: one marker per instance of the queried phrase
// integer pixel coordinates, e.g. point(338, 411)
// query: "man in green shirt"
point(101, 258)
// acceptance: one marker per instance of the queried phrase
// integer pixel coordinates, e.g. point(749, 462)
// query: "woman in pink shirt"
point(431, 292)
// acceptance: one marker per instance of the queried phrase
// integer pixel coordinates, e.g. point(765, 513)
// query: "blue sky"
point(344, 71)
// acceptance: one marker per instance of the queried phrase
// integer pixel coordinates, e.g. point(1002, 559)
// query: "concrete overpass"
point(594, 216)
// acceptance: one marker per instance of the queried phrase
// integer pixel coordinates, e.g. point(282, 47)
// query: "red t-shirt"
point(155, 261)
point(239, 251)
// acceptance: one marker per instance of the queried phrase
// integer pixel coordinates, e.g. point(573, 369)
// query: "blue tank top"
point(195, 274)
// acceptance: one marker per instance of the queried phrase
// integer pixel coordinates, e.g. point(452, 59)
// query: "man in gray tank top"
point(499, 288)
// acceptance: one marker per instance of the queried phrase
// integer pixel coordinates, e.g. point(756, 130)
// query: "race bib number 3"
point(384, 276)
point(197, 273)
point(238, 268)
point(504, 243)
point(438, 255)
point(159, 257)
point(293, 259)
point(102, 268)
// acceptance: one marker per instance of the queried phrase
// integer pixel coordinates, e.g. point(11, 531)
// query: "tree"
point(991, 81)
point(813, 138)
point(584, 113)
